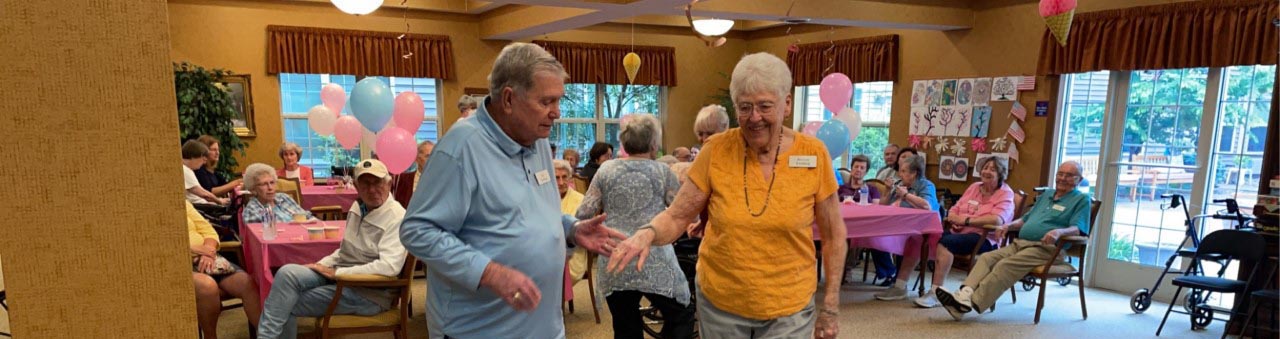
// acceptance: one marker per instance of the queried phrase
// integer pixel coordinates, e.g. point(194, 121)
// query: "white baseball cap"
point(372, 166)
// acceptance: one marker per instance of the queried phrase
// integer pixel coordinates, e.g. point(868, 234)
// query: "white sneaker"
point(893, 293)
point(953, 306)
point(929, 300)
point(965, 295)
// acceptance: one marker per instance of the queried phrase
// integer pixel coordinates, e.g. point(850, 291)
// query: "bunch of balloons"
point(374, 109)
point(838, 133)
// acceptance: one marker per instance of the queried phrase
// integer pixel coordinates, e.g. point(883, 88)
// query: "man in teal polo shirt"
point(1064, 213)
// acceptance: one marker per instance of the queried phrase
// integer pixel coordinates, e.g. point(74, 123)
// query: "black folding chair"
point(1224, 246)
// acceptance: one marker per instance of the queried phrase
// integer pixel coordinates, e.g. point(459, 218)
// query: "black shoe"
point(888, 282)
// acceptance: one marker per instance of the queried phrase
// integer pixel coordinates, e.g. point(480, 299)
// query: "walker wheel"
point(1201, 317)
point(1140, 301)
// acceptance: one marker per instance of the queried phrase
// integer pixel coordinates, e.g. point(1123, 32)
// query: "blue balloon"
point(372, 103)
point(835, 135)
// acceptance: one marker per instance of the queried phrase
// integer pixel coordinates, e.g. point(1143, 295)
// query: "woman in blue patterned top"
point(630, 192)
point(260, 181)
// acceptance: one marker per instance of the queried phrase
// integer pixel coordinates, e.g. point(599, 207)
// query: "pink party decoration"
point(396, 148)
point(1057, 15)
point(851, 119)
point(914, 141)
point(408, 111)
point(334, 98)
point(321, 120)
point(835, 91)
point(1052, 7)
point(347, 130)
point(978, 145)
point(811, 128)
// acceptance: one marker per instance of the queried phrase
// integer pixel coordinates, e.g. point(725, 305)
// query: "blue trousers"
point(884, 264)
point(300, 292)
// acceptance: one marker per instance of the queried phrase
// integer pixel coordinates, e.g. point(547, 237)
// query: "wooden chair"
point(965, 261)
point(1055, 269)
point(591, 283)
point(879, 185)
point(403, 188)
point(580, 183)
point(292, 187)
point(328, 213)
point(395, 320)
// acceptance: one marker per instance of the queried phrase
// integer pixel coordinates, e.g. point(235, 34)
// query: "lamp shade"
point(357, 7)
point(712, 27)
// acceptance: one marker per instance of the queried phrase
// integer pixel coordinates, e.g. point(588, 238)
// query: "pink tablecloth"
point(290, 246)
point(890, 228)
point(313, 196)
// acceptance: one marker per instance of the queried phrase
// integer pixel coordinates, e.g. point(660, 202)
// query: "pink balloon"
point(397, 149)
point(333, 97)
point(811, 128)
point(835, 91)
point(347, 130)
point(408, 110)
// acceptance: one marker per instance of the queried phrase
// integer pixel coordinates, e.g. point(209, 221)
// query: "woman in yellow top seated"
point(765, 185)
point(214, 276)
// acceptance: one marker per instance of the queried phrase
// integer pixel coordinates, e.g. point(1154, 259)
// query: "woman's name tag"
point(805, 161)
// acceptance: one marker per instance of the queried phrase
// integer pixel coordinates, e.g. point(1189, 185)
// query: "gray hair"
point(425, 143)
point(761, 73)
point(711, 118)
point(289, 146)
point(561, 164)
point(1002, 170)
point(467, 101)
point(516, 65)
point(640, 134)
point(915, 163)
point(668, 160)
point(255, 171)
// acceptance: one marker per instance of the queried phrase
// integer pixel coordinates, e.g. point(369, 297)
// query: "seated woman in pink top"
point(988, 202)
point(290, 153)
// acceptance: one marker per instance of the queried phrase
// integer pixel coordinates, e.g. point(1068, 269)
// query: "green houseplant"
point(723, 98)
point(204, 107)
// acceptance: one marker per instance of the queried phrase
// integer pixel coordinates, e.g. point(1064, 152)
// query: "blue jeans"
point(300, 292)
point(885, 267)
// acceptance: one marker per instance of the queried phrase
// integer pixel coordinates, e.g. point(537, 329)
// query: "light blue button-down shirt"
point(480, 200)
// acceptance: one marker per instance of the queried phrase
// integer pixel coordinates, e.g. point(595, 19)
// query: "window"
point(873, 101)
point(299, 92)
point(1080, 135)
point(590, 113)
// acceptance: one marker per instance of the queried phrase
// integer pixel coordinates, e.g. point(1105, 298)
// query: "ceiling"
point(521, 19)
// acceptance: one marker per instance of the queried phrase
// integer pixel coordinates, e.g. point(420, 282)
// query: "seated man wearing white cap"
point(370, 245)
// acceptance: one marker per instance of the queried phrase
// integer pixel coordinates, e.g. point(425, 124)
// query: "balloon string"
point(831, 57)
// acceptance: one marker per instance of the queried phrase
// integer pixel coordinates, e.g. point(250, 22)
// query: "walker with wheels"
point(1140, 301)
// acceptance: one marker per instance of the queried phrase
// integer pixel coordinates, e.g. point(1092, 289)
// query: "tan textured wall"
point(94, 244)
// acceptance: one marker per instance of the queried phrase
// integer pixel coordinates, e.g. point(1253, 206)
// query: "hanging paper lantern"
point(1057, 15)
point(632, 63)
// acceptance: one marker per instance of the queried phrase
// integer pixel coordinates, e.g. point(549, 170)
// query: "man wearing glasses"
point(1064, 213)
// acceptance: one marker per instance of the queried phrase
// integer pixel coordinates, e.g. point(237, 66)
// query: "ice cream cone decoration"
point(1057, 15)
point(631, 62)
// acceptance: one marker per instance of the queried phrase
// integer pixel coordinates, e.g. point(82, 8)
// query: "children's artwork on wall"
point(919, 90)
point(948, 92)
point(961, 120)
point(981, 124)
point(1004, 89)
point(981, 92)
point(939, 117)
point(960, 169)
point(920, 120)
point(964, 92)
point(935, 93)
point(946, 164)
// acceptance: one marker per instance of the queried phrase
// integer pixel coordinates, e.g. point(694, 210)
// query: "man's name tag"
point(1059, 208)
point(806, 161)
point(543, 177)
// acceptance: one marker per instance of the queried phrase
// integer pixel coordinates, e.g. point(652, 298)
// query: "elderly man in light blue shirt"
point(488, 223)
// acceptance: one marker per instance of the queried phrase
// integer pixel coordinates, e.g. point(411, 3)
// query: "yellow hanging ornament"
point(631, 62)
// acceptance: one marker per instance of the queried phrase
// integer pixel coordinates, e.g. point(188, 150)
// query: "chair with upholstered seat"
point(395, 320)
point(965, 261)
point(1055, 269)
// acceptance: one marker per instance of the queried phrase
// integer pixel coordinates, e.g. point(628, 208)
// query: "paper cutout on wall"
point(958, 147)
point(981, 123)
point(948, 92)
point(960, 169)
point(1013, 152)
point(999, 144)
point(1004, 89)
point(1018, 111)
point(941, 147)
point(978, 145)
point(918, 93)
point(981, 92)
point(914, 141)
point(1027, 83)
point(961, 120)
point(946, 164)
point(1016, 132)
point(928, 140)
point(964, 93)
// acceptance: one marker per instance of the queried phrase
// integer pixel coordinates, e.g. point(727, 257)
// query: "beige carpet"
point(864, 317)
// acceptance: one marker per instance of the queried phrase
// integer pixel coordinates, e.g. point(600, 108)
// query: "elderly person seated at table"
point(260, 181)
point(290, 153)
point(889, 173)
point(711, 120)
point(853, 189)
point(631, 191)
point(755, 266)
point(1063, 213)
point(370, 245)
point(914, 191)
point(885, 268)
point(682, 154)
point(215, 276)
point(194, 156)
point(987, 202)
point(569, 201)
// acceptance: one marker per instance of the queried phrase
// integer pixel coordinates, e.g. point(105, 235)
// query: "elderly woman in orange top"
point(290, 153)
point(765, 186)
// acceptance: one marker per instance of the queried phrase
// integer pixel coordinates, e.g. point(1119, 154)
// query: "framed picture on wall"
point(241, 92)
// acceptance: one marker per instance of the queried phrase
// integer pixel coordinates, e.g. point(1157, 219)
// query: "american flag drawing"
point(1018, 111)
point(1013, 152)
point(1027, 83)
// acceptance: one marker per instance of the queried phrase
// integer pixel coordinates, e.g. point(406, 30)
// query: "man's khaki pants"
point(998, 270)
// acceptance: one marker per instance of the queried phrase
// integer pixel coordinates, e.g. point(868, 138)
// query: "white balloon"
point(852, 120)
point(321, 120)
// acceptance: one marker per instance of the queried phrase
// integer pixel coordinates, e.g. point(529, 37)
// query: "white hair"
point(641, 133)
point(711, 118)
point(760, 73)
point(516, 65)
point(254, 172)
point(561, 164)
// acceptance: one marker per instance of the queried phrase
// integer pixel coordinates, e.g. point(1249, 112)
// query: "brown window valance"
point(862, 59)
point(1210, 33)
point(340, 51)
point(602, 63)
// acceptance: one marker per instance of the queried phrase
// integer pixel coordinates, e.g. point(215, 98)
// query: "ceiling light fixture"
point(357, 7)
point(712, 27)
